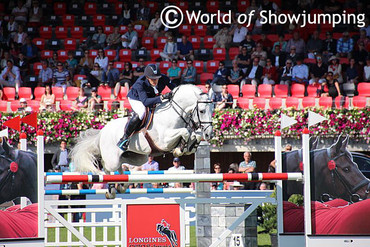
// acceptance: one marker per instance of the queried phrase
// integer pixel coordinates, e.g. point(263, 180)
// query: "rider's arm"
point(143, 97)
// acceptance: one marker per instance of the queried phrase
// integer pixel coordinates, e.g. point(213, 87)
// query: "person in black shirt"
point(243, 59)
point(329, 46)
point(318, 72)
point(249, 43)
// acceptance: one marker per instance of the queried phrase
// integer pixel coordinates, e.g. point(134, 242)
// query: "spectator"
point(329, 47)
point(95, 78)
point(35, 14)
point(53, 61)
point(13, 50)
point(333, 87)
point(286, 73)
point(232, 185)
point(297, 42)
point(209, 90)
point(5, 60)
point(363, 38)
point(86, 64)
point(126, 77)
point(71, 63)
point(23, 66)
point(129, 40)
point(281, 43)
point(352, 78)
point(293, 55)
point(30, 51)
point(61, 77)
point(111, 76)
point(269, 73)
point(268, 5)
point(126, 14)
point(253, 6)
point(95, 101)
point(1, 92)
point(277, 57)
point(360, 55)
point(113, 40)
point(318, 72)
point(238, 32)
point(185, 49)
point(222, 38)
point(336, 68)
point(236, 74)
point(47, 102)
point(300, 72)
point(10, 76)
point(154, 27)
point(253, 74)
point(261, 54)
point(367, 70)
point(243, 59)
point(101, 59)
point(174, 73)
point(60, 160)
point(332, 6)
point(265, 42)
point(223, 100)
point(23, 106)
point(262, 186)
point(248, 165)
point(176, 167)
point(98, 39)
point(20, 12)
point(81, 102)
point(220, 75)
point(314, 45)
point(11, 27)
point(170, 50)
point(142, 14)
point(20, 36)
point(217, 185)
point(249, 43)
point(150, 165)
point(189, 74)
point(45, 74)
point(139, 71)
point(344, 45)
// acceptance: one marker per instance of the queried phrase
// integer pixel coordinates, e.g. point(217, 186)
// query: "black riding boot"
point(131, 126)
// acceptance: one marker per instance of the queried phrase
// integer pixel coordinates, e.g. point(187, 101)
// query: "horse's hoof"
point(122, 188)
point(177, 152)
point(112, 194)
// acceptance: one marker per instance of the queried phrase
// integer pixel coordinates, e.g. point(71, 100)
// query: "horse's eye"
point(346, 169)
point(202, 111)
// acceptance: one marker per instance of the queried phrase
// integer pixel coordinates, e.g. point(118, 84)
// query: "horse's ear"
point(7, 148)
point(314, 142)
point(335, 148)
point(345, 143)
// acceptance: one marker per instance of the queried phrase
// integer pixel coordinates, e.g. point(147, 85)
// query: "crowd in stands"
point(102, 47)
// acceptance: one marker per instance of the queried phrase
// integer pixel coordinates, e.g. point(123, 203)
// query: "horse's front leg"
point(172, 137)
point(193, 143)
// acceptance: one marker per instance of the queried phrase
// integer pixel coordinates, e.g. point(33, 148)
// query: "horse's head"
point(345, 180)
point(197, 106)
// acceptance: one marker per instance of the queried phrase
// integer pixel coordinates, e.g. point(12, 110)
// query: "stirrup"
point(123, 144)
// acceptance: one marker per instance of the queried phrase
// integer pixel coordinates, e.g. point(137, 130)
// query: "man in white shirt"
point(10, 76)
point(300, 72)
point(239, 32)
point(176, 167)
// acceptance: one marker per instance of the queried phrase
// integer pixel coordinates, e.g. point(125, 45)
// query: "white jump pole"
point(40, 183)
point(279, 183)
point(23, 142)
point(307, 183)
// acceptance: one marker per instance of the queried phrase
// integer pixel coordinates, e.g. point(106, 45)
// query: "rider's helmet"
point(152, 71)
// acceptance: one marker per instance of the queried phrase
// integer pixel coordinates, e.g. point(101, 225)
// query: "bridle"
point(354, 197)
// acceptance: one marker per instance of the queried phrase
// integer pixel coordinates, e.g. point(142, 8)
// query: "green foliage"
point(269, 216)
point(296, 199)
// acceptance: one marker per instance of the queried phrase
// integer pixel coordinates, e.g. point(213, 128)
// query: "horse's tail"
point(86, 151)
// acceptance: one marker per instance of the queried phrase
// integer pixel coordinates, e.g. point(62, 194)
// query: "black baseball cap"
point(152, 71)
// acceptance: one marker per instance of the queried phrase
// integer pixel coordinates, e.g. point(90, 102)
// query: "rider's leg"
point(138, 114)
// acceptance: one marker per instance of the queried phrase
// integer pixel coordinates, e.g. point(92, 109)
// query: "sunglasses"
point(190, 63)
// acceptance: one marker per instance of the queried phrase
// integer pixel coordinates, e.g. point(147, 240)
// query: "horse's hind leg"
point(121, 187)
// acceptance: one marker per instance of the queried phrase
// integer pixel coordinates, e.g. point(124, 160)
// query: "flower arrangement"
point(227, 124)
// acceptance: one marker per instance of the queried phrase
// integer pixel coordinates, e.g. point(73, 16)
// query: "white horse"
point(174, 121)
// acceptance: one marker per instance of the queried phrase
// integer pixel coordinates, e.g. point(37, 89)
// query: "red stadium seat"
point(126, 104)
point(200, 30)
point(119, 65)
point(123, 29)
point(249, 91)
point(77, 32)
point(185, 29)
point(209, 42)
point(308, 102)
point(36, 68)
point(39, 43)
point(93, 54)
point(265, 90)
point(212, 66)
point(90, 8)
point(104, 92)
point(275, 103)
point(108, 30)
point(111, 54)
point(203, 88)
point(62, 55)
point(45, 32)
point(122, 93)
point(183, 5)
point(344, 60)
point(309, 60)
point(205, 76)
point(9, 93)
point(79, 78)
point(153, 6)
point(233, 52)
point(140, 29)
point(38, 92)
point(292, 102)
point(243, 103)
point(60, 8)
point(66, 105)
point(212, 6)
point(272, 37)
point(363, 89)
point(61, 32)
point(161, 42)
point(164, 65)
point(259, 103)
point(68, 20)
point(125, 55)
point(281, 90)
point(34, 104)
point(25, 92)
point(99, 20)
point(359, 101)
point(70, 44)
point(155, 54)
point(3, 106)
point(195, 40)
point(341, 102)
point(14, 105)
point(199, 65)
point(148, 43)
point(312, 90)
point(182, 64)
point(219, 54)
point(58, 92)
point(234, 90)
point(46, 54)
point(298, 90)
point(72, 93)
point(326, 102)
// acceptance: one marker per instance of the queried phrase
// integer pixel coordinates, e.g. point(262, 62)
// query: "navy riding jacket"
point(144, 92)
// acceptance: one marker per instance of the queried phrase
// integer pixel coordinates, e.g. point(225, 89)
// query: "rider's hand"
point(166, 96)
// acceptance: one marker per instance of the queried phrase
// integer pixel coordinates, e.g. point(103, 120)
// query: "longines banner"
point(153, 225)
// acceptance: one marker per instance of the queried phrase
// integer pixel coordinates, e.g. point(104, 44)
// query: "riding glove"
point(166, 96)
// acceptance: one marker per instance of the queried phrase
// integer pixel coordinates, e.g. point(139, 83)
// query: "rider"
point(145, 93)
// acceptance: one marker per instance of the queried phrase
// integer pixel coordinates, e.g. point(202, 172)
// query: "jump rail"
point(216, 177)
point(124, 173)
point(128, 191)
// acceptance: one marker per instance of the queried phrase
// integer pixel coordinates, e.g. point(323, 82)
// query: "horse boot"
point(131, 126)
